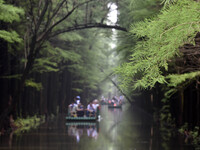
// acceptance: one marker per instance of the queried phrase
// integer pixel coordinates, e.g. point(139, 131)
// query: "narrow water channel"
point(128, 128)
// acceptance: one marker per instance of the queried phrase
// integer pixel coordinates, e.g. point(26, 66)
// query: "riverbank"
point(21, 125)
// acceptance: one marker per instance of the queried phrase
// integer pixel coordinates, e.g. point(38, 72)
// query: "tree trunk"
point(181, 106)
point(197, 106)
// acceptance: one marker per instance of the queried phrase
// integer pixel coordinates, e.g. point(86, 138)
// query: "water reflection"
point(78, 129)
point(128, 128)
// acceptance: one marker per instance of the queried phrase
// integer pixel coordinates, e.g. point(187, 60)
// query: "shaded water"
point(120, 129)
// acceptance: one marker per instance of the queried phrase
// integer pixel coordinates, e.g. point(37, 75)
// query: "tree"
point(166, 53)
point(161, 39)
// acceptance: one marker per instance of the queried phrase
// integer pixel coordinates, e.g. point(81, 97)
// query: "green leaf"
point(32, 83)
point(9, 13)
point(11, 36)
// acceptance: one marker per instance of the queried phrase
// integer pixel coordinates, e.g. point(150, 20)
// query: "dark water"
point(120, 129)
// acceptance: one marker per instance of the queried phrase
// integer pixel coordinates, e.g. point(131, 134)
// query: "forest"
point(52, 51)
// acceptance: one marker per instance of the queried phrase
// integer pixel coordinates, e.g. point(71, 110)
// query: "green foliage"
point(196, 137)
point(77, 90)
point(65, 55)
point(160, 39)
point(168, 2)
point(192, 134)
point(45, 65)
point(31, 83)
point(177, 79)
point(169, 92)
point(165, 113)
point(28, 123)
point(9, 13)
point(51, 57)
point(131, 11)
point(183, 128)
point(95, 53)
point(10, 37)
point(16, 76)
point(71, 37)
point(143, 9)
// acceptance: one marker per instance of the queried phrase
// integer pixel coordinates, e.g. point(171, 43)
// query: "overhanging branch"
point(87, 26)
point(47, 32)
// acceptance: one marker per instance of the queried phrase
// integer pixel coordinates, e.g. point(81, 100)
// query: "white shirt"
point(95, 106)
point(91, 107)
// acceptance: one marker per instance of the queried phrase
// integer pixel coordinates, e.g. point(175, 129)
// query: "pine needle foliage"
point(168, 2)
point(160, 39)
point(177, 79)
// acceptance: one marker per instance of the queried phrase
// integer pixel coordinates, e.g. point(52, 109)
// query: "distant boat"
point(114, 106)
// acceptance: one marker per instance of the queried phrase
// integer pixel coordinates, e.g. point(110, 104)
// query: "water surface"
point(128, 128)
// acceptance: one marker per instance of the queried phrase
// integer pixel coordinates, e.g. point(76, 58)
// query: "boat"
point(114, 106)
point(84, 118)
point(69, 118)
point(70, 123)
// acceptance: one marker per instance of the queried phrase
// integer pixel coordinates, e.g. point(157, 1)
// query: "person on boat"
point(106, 100)
point(78, 99)
point(109, 101)
point(115, 99)
point(120, 102)
point(90, 110)
point(95, 104)
point(112, 101)
point(80, 110)
point(72, 109)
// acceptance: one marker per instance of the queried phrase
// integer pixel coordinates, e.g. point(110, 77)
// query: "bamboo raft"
point(81, 118)
point(80, 123)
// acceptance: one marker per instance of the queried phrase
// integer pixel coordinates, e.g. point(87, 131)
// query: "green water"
point(119, 129)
